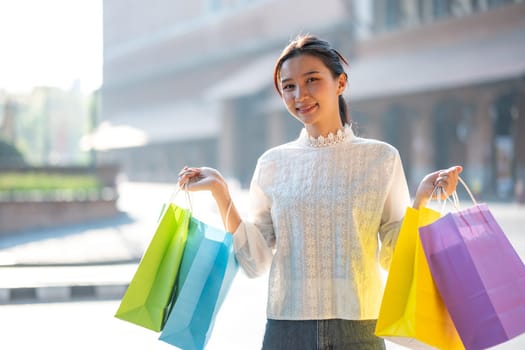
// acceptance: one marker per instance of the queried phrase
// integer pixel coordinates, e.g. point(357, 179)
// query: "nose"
point(300, 93)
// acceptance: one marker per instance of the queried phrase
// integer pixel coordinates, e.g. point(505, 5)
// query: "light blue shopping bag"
point(206, 273)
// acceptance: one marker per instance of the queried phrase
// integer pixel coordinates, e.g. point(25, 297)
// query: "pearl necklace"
point(329, 140)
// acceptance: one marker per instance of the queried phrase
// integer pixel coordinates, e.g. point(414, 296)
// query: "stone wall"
point(31, 215)
point(33, 212)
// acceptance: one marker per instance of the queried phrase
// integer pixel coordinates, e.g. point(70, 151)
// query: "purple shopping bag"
point(479, 275)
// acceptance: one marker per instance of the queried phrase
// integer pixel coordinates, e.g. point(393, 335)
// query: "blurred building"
point(196, 78)
point(444, 81)
point(441, 80)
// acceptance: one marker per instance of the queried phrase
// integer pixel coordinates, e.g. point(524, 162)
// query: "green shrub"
point(16, 182)
point(10, 155)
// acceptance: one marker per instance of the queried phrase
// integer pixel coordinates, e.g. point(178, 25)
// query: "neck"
point(316, 130)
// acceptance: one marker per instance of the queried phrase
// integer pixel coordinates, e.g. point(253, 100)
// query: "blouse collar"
point(342, 135)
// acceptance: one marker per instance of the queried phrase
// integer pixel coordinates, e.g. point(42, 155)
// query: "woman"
point(318, 206)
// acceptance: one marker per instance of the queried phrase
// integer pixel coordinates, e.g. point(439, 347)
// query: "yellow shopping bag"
point(412, 312)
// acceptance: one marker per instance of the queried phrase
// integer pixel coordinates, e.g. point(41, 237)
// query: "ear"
point(342, 83)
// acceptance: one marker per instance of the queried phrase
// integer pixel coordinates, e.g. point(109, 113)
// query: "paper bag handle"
point(176, 192)
point(172, 198)
point(454, 195)
point(468, 191)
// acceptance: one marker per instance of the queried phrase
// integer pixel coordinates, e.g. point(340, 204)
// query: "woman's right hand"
point(201, 179)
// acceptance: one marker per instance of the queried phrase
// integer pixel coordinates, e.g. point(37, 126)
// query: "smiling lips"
point(306, 109)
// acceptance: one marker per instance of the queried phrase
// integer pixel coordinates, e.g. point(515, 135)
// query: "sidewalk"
point(97, 260)
point(93, 260)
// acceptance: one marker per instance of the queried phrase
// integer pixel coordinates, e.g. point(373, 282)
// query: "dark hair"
point(313, 46)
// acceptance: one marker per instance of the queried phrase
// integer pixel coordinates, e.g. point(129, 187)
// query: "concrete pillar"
point(227, 139)
point(276, 129)
point(519, 140)
point(422, 145)
point(479, 170)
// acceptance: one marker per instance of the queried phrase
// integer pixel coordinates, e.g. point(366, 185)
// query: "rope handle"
point(468, 191)
point(172, 199)
point(454, 195)
point(176, 192)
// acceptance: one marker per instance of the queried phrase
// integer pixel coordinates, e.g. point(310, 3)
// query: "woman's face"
point(310, 92)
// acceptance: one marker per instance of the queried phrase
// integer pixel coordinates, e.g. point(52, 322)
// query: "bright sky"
point(50, 42)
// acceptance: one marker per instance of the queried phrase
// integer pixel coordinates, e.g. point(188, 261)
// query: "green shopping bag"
point(149, 295)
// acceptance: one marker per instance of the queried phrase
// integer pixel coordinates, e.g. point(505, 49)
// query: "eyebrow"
point(305, 74)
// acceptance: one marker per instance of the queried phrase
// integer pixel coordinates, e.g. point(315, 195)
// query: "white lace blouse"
point(317, 216)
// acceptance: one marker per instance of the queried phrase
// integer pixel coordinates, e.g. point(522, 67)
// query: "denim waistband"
point(333, 334)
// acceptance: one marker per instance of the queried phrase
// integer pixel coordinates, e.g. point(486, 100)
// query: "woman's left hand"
point(446, 179)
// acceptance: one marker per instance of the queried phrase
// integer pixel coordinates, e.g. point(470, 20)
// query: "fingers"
point(188, 175)
point(447, 179)
point(187, 171)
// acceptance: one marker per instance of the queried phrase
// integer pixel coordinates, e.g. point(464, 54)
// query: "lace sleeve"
point(254, 239)
point(396, 202)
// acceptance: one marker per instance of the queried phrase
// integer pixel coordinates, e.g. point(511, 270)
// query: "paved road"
point(89, 325)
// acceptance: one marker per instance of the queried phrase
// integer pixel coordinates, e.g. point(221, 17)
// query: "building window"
point(389, 15)
point(393, 15)
point(450, 147)
point(496, 3)
point(216, 6)
point(505, 115)
point(441, 8)
point(398, 132)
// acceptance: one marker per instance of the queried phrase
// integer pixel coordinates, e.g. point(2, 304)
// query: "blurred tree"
point(10, 156)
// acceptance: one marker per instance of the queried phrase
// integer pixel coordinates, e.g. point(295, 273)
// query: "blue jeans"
point(321, 335)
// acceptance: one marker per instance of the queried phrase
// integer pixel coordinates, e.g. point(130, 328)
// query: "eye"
point(311, 79)
point(287, 87)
